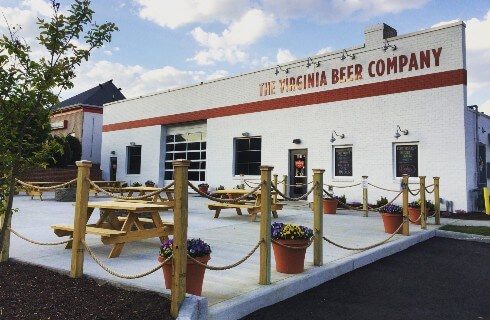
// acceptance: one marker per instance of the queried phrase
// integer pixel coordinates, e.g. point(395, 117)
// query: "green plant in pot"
point(197, 249)
point(149, 183)
point(414, 211)
point(392, 216)
point(289, 245)
point(330, 204)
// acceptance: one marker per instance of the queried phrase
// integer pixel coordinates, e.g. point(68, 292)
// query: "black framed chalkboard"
point(343, 161)
point(407, 160)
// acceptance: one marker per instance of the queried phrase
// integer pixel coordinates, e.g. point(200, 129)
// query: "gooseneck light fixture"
point(398, 130)
point(345, 54)
point(279, 69)
point(388, 45)
point(310, 62)
point(341, 136)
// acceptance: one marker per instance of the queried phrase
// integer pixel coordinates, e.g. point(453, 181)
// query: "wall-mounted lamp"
point(297, 141)
point(398, 130)
point(132, 143)
point(341, 136)
point(345, 54)
point(278, 67)
point(246, 134)
point(113, 152)
point(389, 45)
point(310, 62)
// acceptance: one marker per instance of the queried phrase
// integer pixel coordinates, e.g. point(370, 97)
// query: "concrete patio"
point(231, 237)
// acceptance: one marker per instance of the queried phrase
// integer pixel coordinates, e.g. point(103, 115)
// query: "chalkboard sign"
point(407, 161)
point(343, 162)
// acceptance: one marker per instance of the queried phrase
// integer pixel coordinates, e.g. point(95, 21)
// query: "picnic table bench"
point(252, 207)
point(118, 230)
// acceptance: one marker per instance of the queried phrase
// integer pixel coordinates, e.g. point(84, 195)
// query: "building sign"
point(406, 157)
point(424, 59)
point(343, 162)
point(57, 125)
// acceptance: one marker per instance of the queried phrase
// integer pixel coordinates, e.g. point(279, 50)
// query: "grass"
point(480, 230)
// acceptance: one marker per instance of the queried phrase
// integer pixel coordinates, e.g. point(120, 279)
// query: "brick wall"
point(59, 174)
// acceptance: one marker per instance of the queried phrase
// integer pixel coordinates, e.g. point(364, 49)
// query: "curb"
point(462, 236)
point(193, 308)
point(265, 296)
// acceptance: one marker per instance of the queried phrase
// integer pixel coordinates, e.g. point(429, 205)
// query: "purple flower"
point(195, 248)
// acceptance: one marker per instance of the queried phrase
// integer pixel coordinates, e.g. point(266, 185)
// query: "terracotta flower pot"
point(414, 214)
point(204, 189)
point(195, 274)
point(392, 222)
point(288, 260)
point(330, 206)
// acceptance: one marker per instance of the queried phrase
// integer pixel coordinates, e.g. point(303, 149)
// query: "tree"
point(30, 88)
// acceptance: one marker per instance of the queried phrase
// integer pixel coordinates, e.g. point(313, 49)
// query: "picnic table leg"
point(216, 214)
point(116, 250)
point(238, 211)
point(157, 221)
point(274, 214)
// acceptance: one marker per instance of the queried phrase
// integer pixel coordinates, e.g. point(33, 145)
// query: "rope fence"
point(342, 187)
point(38, 242)
point(234, 200)
point(116, 196)
point(230, 266)
point(367, 247)
point(304, 196)
point(381, 188)
point(120, 275)
point(310, 241)
point(34, 187)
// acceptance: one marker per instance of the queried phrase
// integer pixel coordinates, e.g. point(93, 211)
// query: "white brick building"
point(229, 126)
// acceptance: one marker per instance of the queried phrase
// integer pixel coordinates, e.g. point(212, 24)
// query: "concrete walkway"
point(231, 237)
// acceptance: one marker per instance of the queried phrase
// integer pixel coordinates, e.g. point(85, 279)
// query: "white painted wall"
point(92, 136)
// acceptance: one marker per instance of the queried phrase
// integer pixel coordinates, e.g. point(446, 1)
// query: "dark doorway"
point(298, 172)
point(113, 169)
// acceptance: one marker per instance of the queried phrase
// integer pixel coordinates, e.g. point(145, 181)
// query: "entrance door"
point(113, 169)
point(298, 180)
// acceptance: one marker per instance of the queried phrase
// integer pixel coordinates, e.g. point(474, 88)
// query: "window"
point(342, 161)
point(189, 146)
point(134, 159)
point(406, 160)
point(248, 155)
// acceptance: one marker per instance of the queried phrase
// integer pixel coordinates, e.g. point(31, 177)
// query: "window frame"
point(129, 157)
point(235, 155)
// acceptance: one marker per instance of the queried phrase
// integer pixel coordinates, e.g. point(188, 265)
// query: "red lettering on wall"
point(413, 62)
point(392, 65)
point(323, 79)
point(437, 55)
point(335, 76)
point(424, 59)
point(370, 69)
point(402, 62)
point(380, 67)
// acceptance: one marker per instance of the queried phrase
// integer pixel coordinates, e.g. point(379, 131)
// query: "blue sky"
point(163, 44)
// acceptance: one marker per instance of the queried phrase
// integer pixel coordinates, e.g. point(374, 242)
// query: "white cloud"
point(478, 33)
point(284, 55)
point(325, 50)
point(442, 23)
point(136, 80)
point(228, 46)
point(485, 107)
point(174, 14)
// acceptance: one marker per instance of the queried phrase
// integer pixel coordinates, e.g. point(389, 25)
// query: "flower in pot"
point(381, 202)
point(414, 212)
point(203, 187)
point(136, 184)
point(392, 216)
point(289, 245)
point(330, 204)
point(197, 249)
point(149, 183)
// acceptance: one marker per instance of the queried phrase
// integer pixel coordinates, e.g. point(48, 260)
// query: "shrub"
point(136, 184)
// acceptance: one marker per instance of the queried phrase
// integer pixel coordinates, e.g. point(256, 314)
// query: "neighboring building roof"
point(97, 96)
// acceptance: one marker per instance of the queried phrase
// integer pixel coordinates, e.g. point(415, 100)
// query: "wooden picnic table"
point(253, 207)
point(111, 186)
point(30, 191)
point(144, 190)
point(117, 230)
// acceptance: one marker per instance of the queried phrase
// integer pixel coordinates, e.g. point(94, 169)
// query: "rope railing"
point(142, 197)
point(412, 221)
point(38, 242)
point(120, 275)
point(234, 200)
point(372, 209)
point(304, 196)
point(367, 247)
point(230, 266)
point(34, 187)
point(342, 187)
point(252, 182)
point(414, 192)
point(381, 188)
point(427, 188)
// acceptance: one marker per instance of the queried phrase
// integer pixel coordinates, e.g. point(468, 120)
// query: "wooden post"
point(406, 227)
point(365, 195)
point(423, 208)
point(275, 185)
point(179, 247)
point(318, 217)
point(80, 222)
point(285, 185)
point(437, 201)
point(265, 225)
